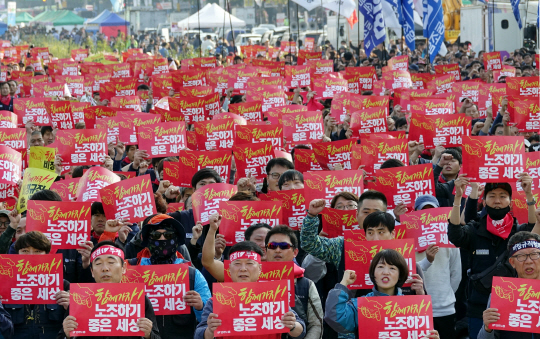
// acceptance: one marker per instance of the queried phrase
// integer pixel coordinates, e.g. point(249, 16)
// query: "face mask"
point(497, 214)
point(162, 251)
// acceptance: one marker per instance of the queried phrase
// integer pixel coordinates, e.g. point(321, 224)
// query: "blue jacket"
point(6, 326)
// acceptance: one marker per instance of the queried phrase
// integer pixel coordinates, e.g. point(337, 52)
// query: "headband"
point(107, 250)
point(245, 255)
point(523, 245)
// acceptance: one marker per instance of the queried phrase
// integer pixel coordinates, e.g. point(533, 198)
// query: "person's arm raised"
point(214, 267)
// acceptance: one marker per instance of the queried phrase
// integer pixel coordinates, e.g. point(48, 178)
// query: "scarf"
point(500, 228)
point(162, 251)
point(5, 100)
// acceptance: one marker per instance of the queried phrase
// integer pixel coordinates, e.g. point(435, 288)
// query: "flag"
point(515, 9)
point(374, 33)
point(307, 4)
point(406, 19)
point(352, 19)
point(433, 26)
point(342, 7)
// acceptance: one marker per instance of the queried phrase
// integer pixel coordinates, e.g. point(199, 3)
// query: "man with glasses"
point(524, 251)
point(275, 168)
point(282, 245)
point(4, 220)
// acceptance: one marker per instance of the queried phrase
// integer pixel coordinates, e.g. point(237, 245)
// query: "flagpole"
point(289, 16)
point(402, 38)
point(339, 29)
point(298, 26)
point(493, 22)
point(199, 19)
point(358, 27)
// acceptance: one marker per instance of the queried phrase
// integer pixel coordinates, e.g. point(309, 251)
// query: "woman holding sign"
point(388, 272)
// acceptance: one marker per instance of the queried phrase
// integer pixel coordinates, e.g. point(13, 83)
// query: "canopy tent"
point(93, 25)
point(23, 17)
point(210, 16)
point(112, 24)
point(58, 19)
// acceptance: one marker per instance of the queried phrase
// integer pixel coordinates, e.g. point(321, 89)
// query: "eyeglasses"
point(4, 224)
point(275, 175)
point(281, 245)
point(523, 257)
point(155, 235)
point(347, 207)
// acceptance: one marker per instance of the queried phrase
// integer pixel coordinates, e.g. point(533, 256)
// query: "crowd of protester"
point(460, 308)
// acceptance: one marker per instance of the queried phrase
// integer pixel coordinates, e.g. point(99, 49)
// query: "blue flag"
point(433, 26)
point(406, 19)
point(515, 9)
point(374, 33)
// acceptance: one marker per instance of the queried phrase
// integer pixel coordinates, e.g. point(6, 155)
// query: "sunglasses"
point(155, 235)
point(275, 245)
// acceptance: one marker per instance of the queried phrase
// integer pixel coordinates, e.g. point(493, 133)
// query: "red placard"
point(10, 166)
point(298, 76)
point(452, 69)
point(269, 96)
point(397, 79)
point(66, 189)
point(492, 61)
point(370, 120)
point(131, 199)
point(81, 147)
point(360, 78)
point(79, 54)
point(51, 89)
point(206, 200)
point(118, 88)
point(445, 130)
point(326, 87)
point(326, 184)
point(516, 300)
point(523, 86)
point(328, 154)
point(251, 111)
point(431, 106)
point(421, 80)
point(31, 279)
point(257, 134)
point(77, 108)
point(60, 113)
point(467, 89)
point(215, 134)
point(239, 215)
point(493, 159)
point(506, 71)
point(275, 115)
point(163, 139)
point(66, 224)
point(304, 161)
point(520, 209)
point(165, 286)
point(532, 166)
point(303, 127)
point(127, 103)
point(108, 308)
point(321, 66)
point(238, 120)
point(358, 256)
point(231, 302)
point(191, 161)
point(92, 181)
point(13, 137)
point(75, 83)
point(441, 84)
point(277, 68)
point(405, 184)
point(486, 92)
point(335, 222)
point(527, 115)
point(294, 206)
point(191, 108)
point(428, 227)
point(251, 159)
point(400, 62)
point(31, 109)
point(175, 207)
point(407, 316)
point(92, 82)
point(8, 119)
point(374, 152)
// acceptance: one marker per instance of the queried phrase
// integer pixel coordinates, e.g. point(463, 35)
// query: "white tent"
point(210, 16)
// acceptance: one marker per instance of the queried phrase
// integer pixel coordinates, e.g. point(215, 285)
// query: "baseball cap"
point(492, 186)
point(424, 200)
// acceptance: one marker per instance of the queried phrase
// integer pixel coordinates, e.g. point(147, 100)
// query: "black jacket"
point(484, 249)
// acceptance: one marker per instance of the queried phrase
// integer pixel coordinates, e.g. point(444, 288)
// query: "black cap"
point(491, 186)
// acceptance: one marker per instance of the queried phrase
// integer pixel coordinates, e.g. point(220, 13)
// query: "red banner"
point(92, 82)
point(10, 166)
point(251, 159)
point(326, 87)
point(51, 89)
point(31, 109)
point(321, 66)
point(92, 181)
point(108, 308)
point(370, 120)
point(66, 189)
point(303, 127)
point(75, 84)
point(441, 84)
point(79, 54)
point(31, 279)
point(163, 139)
point(523, 86)
point(374, 152)
point(493, 158)
point(297, 76)
point(409, 316)
point(127, 103)
point(304, 161)
point(81, 147)
point(269, 96)
point(66, 224)
point(467, 89)
point(400, 62)
point(520, 209)
point(326, 184)
point(359, 254)
point(492, 61)
point(239, 215)
point(215, 134)
point(294, 206)
point(60, 113)
point(445, 130)
point(421, 80)
point(131, 199)
point(328, 154)
point(241, 314)
point(118, 88)
point(190, 162)
point(165, 286)
point(13, 137)
point(452, 69)
point(257, 134)
point(360, 78)
point(8, 119)
point(428, 227)
point(191, 108)
point(527, 115)
point(517, 303)
point(405, 184)
point(206, 200)
point(251, 111)
point(430, 106)
point(335, 222)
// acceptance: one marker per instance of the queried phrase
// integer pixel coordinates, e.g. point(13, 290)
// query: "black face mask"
point(497, 214)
